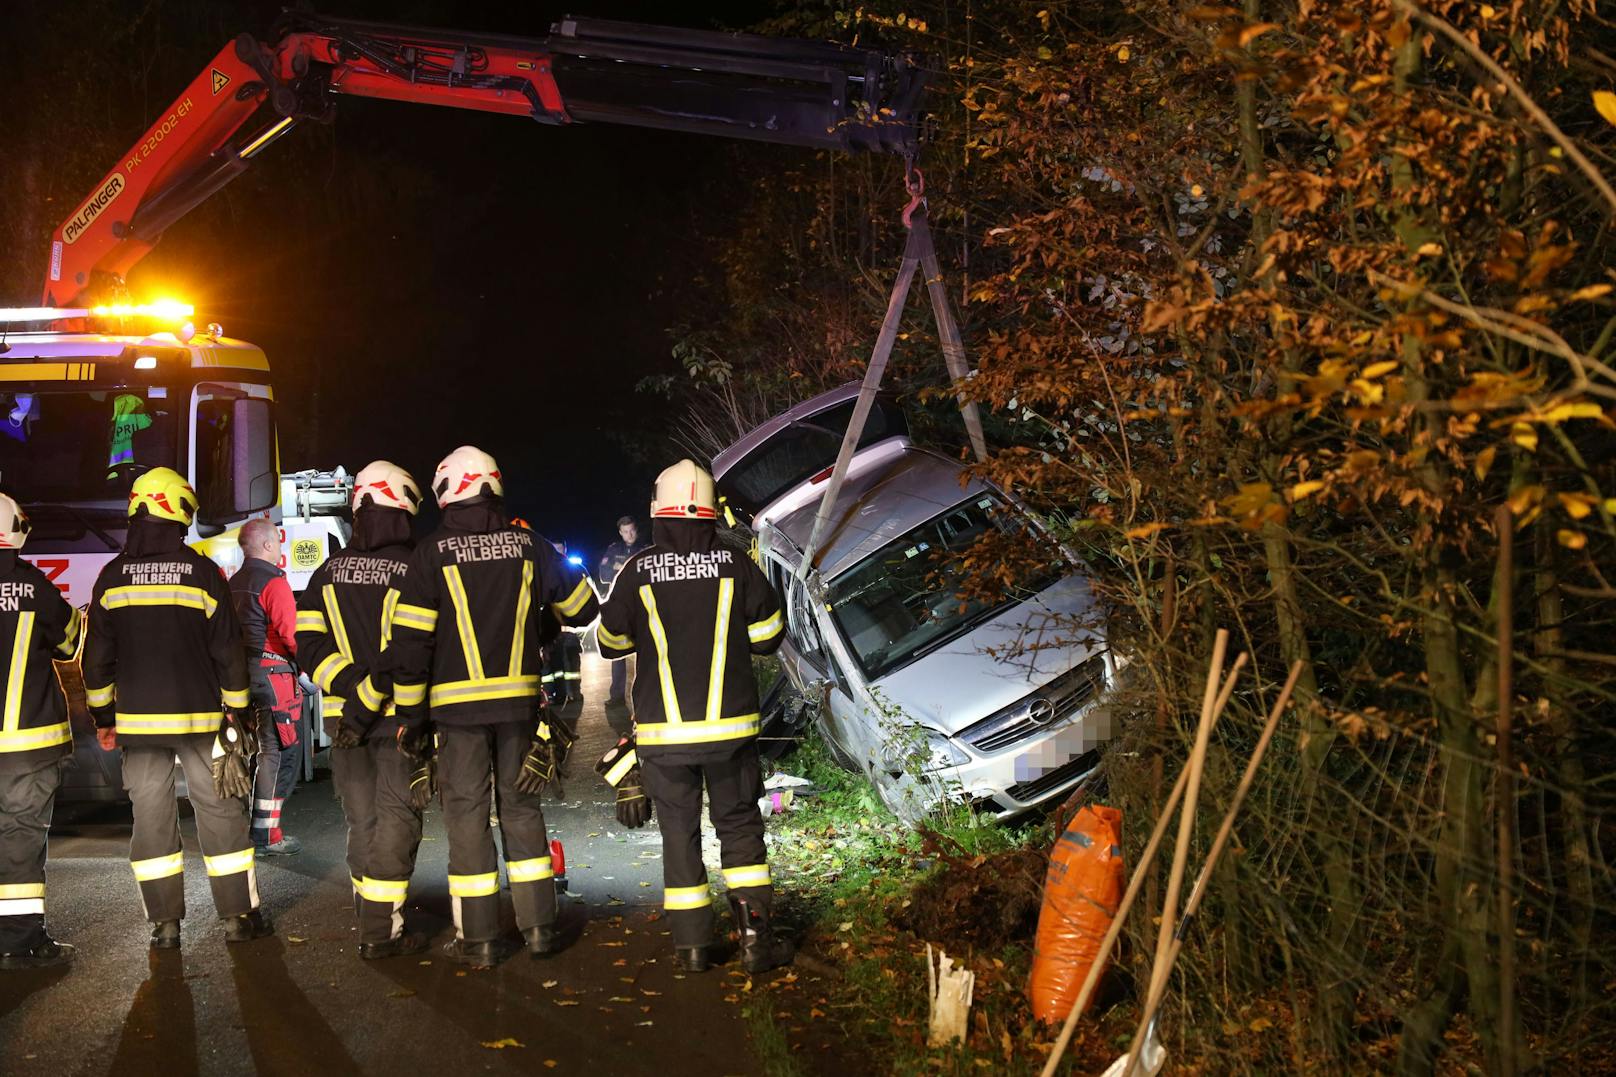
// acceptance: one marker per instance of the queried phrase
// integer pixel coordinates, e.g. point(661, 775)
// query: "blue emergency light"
point(574, 560)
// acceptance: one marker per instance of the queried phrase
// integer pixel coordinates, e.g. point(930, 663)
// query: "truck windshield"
point(903, 600)
point(84, 446)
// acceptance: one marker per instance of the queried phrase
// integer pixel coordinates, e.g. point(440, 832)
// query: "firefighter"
point(165, 677)
point(36, 625)
point(267, 610)
point(465, 657)
point(563, 659)
point(343, 626)
point(611, 563)
point(696, 612)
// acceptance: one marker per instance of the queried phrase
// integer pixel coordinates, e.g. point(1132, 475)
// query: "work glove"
point(541, 764)
point(416, 743)
point(620, 766)
point(232, 774)
point(354, 724)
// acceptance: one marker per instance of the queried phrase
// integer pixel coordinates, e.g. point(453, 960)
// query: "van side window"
point(804, 631)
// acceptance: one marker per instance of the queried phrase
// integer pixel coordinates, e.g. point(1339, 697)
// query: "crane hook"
point(914, 181)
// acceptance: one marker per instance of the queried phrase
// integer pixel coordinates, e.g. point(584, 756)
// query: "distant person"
point(268, 613)
point(343, 627)
point(611, 563)
point(165, 676)
point(36, 626)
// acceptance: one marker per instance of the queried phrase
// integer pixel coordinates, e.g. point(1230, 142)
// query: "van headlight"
point(943, 751)
point(920, 749)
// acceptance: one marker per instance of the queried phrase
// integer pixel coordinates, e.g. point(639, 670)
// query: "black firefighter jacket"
point(468, 632)
point(696, 611)
point(36, 625)
point(344, 622)
point(163, 654)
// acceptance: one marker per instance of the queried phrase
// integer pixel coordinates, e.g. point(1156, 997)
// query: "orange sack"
point(1081, 894)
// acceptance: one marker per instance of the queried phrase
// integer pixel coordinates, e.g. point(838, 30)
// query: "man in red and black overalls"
point(268, 614)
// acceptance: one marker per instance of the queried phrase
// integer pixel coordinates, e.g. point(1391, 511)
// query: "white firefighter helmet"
point(466, 473)
point(685, 492)
point(14, 525)
point(386, 485)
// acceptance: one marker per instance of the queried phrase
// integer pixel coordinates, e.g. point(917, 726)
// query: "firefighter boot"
point(410, 942)
point(248, 926)
point(691, 958)
point(44, 955)
point(541, 941)
point(477, 955)
point(165, 935)
point(761, 949)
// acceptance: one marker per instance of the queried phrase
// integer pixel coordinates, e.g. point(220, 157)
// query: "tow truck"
point(97, 387)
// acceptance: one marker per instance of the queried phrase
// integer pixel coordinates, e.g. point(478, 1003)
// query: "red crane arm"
point(736, 85)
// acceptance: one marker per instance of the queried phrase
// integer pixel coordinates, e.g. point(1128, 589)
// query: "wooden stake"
point(1186, 823)
point(1506, 793)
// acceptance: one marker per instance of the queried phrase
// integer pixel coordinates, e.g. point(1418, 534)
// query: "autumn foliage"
point(1283, 311)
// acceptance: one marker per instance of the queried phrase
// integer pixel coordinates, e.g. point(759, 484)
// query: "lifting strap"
point(918, 253)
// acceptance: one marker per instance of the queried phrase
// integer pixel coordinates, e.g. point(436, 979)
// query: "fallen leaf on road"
point(550, 1063)
point(295, 939)
point(649, 993)
point(402, 992)
point(566, 1002)
point(614, 944)
point(500, 1045)
point(551, 983)
point(642, 1024)
point(424, 962)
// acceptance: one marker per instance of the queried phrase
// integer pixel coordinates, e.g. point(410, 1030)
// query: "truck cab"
point(82, 415)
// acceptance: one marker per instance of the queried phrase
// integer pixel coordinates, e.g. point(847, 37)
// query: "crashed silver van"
point(1000, 704)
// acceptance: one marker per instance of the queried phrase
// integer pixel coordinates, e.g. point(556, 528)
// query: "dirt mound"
point(982, 901)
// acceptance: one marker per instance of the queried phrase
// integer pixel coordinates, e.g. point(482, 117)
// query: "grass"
point(848, 874)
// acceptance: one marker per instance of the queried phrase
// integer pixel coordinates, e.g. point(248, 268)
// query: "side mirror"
point(252, 465)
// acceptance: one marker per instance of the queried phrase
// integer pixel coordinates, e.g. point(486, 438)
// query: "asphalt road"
point(303, 1002)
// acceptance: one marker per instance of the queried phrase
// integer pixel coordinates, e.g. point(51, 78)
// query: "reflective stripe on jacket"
point(696, 614)
point(468, 634)
point(163, 654)
point(36, 626)
point(344, 623)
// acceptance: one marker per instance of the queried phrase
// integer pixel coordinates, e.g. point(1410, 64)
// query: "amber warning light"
point(163, 310)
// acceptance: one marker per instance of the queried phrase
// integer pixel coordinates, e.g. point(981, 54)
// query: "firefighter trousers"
point(563, 668)
point(466, 756)
point(221, 830)
point(733, 787)
point(26, 800)
point(384, 832)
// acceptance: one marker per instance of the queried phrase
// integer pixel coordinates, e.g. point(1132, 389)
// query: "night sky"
point(519, 282)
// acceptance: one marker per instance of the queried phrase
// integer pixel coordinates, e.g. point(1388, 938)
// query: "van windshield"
point(84, 446)
point(903, 600)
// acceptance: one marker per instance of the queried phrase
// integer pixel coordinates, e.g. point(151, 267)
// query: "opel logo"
point(1042, 712)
